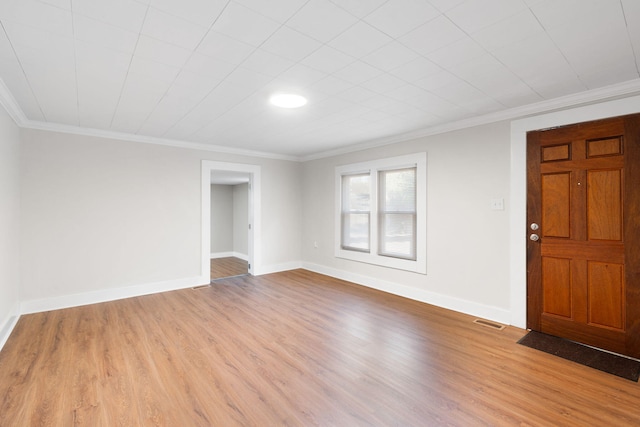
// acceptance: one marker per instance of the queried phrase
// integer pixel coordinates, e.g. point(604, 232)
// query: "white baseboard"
point(451, 303)
point(216, 255)
point(6, 327)
point(74, 300)
point(276, 268)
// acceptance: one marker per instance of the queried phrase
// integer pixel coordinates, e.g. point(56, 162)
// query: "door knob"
point(534, 226)
point(534, 237)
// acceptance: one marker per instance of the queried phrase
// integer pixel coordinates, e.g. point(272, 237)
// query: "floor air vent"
point(489, 324)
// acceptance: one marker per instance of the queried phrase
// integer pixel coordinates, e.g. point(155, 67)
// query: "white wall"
point(107, 218)
point(222, 218)
point(241, 219)
point(282, 228)
point(9, 224)
point(467, 242)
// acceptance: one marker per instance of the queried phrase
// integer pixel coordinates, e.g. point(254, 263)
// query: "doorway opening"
point(229, 224)
point(230, 219)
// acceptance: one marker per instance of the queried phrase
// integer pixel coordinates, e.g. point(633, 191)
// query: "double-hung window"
point(381, 212)
point(397, 213)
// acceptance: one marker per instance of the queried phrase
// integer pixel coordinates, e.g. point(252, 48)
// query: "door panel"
point(604, 147)
point(583, 278)
point(556, 285)
point(556, 152)
point(556, 202)
point(606, 294)
point(604, 205)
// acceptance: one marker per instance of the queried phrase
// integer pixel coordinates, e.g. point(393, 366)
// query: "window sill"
point(419, 266)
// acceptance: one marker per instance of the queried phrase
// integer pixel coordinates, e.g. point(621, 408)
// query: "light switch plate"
point(497, 204)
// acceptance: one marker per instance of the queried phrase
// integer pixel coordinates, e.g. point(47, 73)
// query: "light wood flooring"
point(228, 267)
point(291, 349)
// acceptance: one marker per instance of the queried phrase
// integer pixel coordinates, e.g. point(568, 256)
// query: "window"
point(356, 212)
point(381, 209)
point(397, 213)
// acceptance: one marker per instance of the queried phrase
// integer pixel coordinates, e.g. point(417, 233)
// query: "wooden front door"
point(583, 231)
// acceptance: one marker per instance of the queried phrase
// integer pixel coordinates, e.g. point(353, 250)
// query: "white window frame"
point(417, 160)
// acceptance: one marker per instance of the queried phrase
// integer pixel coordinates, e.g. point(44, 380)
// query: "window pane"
point(355, 231)
point(356, 200)
point(398, 188)
point(397, 213)
point(397, 233)
point(356, 193)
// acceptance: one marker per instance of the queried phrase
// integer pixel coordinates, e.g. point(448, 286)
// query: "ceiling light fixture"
point(288, 100)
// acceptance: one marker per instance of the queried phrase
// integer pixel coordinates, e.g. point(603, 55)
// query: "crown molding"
point(11, 105)
point(100, 133)
point(620, 90)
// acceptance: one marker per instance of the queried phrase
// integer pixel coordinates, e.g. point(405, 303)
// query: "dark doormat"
point(588, 356)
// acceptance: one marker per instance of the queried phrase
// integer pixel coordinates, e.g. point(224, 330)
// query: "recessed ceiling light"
point(288, 100)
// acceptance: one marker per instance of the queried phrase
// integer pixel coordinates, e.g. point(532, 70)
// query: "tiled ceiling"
point(201, 71)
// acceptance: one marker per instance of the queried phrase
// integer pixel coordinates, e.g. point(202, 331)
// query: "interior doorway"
point(244, 181)
point(229, 224)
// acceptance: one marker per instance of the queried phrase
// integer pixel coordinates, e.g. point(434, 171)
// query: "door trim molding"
point(518, 187)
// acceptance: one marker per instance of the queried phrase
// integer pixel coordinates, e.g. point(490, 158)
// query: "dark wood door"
point(583, 273)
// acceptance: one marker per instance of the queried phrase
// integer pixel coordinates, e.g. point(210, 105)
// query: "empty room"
point(319, 213)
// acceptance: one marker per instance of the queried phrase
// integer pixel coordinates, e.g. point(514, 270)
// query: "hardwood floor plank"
point(228, 267)
point(293, 348)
